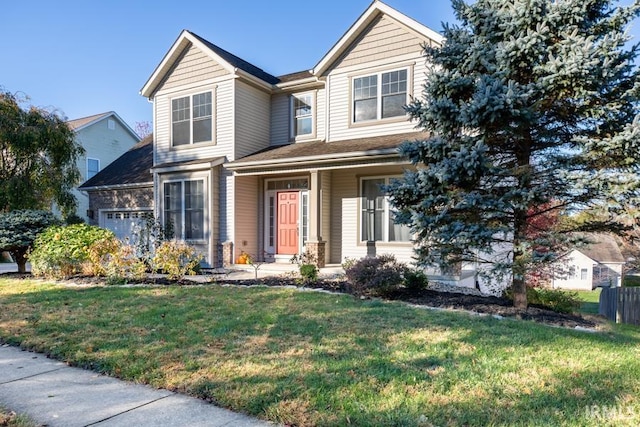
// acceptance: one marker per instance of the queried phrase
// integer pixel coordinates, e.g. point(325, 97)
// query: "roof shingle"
point(291, 152)
point(238, 62)
point(133, 167)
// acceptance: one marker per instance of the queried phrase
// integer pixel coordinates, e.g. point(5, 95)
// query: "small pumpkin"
point(243, 258)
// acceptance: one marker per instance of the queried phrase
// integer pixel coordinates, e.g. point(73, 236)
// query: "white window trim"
point(292, 118)
point(111, 124)
point(386, 216)
point(379, 119)
point(191, 94)
point(87, 169)
point(205, 225)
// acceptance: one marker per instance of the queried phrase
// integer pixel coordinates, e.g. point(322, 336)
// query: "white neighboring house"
point(598, 264)
point(105, 137)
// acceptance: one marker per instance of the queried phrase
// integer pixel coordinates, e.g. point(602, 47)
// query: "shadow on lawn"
point(360, 381)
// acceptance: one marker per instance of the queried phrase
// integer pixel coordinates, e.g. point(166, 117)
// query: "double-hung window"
point(184, 209)
point(377, 216)
point(380, 96)
point(93, 167)
point(302, 115)
point(192, 119)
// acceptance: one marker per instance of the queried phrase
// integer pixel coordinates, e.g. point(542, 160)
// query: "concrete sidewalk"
point(54, 394)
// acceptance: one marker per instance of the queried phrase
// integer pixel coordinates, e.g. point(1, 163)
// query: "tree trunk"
point(519, 269)
point(21, 260)
point(518, 285)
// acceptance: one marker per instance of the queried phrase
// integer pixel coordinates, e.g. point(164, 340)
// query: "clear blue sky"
point(86, 57)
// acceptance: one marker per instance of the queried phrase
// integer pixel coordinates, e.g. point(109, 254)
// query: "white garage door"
point(124, 223)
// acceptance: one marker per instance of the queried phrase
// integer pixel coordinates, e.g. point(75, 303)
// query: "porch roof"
point(188, 165)
point(319, 152)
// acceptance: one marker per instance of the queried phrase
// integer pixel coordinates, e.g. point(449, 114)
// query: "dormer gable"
point(381, 21)
point(193, 58)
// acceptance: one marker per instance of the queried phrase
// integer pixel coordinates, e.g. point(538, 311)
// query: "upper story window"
point(302, 115)
point(380, 96)
point(93, 167)
point(191, 119)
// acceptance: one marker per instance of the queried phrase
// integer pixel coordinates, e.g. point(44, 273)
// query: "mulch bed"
point(489, 305)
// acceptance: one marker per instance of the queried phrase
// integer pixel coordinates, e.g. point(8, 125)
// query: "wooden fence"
point(621, 305)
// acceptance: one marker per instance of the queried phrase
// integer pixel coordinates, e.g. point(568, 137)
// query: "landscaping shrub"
point(554, 299)
point(18, 231)
point(631, 281)
point(415, 280)
point(124, 264)
point(176, 259)
point(309, 273)
point(61, 251)
point(307, 265)
point(557, 300)
point(378, 276)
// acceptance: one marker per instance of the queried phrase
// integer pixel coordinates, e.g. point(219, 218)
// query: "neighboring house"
point(104, 137)
point(121, 194)
point(276, 165)
point(594, 265)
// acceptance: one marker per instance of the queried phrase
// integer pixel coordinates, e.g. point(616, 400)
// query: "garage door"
point(124, 224)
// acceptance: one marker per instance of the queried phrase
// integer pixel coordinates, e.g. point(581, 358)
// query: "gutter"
point(117, 186)
point(318, 159)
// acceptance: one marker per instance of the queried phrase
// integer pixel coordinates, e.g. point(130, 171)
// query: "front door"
point(288, 222)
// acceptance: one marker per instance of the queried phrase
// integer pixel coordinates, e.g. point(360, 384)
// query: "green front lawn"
point(307, 358)
point(590, 301)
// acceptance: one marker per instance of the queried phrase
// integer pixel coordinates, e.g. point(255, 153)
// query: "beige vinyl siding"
point(252, 120)
point(246, 217)
point(344, 220)
point(321, 103)
point(385, 46)
point(280, 119)
point(162, 129)
point(384, 38)
point(345, 217)
point(325, 213)
point(193, 66)
point(340, 102)
point(281, 116)
point(222, 130)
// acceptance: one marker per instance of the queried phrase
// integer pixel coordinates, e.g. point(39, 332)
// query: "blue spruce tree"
point(530, 103)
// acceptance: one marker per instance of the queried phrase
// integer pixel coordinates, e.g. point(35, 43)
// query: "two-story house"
point(104, 138)
point(275, 165)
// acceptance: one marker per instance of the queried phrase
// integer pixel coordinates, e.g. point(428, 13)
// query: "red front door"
point(288, 223)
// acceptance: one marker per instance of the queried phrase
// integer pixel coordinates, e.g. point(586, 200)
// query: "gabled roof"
point(375, 9)
point(226, 59)
point(604, 249)
point(238, 62)
point(78, 124)
point(319, 152)
point(236, 65)
point(133, 168)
